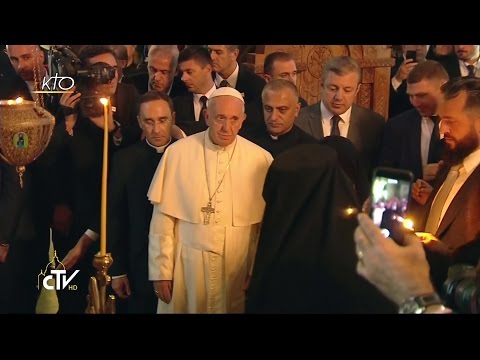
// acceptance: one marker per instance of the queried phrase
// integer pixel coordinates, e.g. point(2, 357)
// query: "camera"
point(64, 62)
point(461, 291)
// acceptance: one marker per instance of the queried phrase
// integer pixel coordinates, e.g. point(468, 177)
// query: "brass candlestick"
point(98, 302)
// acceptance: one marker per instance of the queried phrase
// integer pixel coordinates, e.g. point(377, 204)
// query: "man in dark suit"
point(281, 65)
point(162, 72)
point(405, 60)
point(29, 63)
point(452, 212)
point(195, 69)
point(463, 62)
point(337, 115)
point(129, 211)
point(280, 109)
point(229, 73)
point(11, 84)
point(412, 139)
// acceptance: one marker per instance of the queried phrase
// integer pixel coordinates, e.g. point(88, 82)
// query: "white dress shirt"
point(232, 79)
point(343, 125)
point(197, 104)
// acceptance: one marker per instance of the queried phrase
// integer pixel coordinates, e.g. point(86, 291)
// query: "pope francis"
point(208, 205)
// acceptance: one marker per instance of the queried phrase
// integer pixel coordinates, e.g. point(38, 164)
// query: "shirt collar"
point(207, 94)
point(327, 115)
point(232, 79)
point(471, 162)
point(159, 149)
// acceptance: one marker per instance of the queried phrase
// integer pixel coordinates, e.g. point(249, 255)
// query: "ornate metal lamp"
point(25, 131)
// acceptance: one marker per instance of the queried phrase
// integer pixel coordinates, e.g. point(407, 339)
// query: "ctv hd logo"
point(58, 275)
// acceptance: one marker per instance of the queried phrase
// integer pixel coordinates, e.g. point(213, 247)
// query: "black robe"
point(294, 137)
point(129, 215)
point(306, 262)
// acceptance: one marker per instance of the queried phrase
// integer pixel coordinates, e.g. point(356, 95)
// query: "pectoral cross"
point(208, 210)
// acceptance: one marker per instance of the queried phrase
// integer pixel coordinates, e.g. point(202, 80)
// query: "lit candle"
point(103, 209)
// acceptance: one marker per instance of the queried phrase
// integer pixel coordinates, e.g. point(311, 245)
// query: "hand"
point(438, 246)
point(70, 99)
point(3, 253)
point(163, 290)
point(62, 219)
point(399, 272)
point(430, 171)
point(75, 254)
point(421, 191)
point(121, 286)
point(404, 69)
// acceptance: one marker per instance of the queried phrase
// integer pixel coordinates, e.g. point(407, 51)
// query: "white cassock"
point(208, 263)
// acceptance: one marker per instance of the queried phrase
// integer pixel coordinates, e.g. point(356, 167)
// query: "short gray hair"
point(165, 50)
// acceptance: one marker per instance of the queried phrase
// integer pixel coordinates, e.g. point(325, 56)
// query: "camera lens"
point(460, 290)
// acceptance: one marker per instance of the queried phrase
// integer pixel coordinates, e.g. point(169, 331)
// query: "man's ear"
point(267, 77)
point(236, 52)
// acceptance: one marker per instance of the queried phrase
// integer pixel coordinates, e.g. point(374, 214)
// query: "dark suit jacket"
point(185, 115)
point(402, 143)
point(140, 80)
point(13, 86)
point(365, 131)
point(250, 84)
point(398, 100)
point(126, 103)
point(450, 63)
point(129, 215)
point(24, 223)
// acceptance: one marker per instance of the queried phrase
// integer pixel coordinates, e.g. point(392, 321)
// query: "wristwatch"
point(420, 305)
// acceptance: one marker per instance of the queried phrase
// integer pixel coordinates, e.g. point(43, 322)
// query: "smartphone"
point(411, 54)
point(390, 196)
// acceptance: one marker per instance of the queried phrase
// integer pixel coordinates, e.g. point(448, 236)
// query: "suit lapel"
point(315, 122)
point(459, 201)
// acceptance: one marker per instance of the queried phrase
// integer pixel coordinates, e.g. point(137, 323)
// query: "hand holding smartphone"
point(390, 196)
point(411, 54)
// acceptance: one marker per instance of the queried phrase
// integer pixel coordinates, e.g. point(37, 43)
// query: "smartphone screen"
point(390, 196)
point(411, 54)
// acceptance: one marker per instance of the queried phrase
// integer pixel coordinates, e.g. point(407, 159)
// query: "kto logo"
point(58, 276)
point(57, 84)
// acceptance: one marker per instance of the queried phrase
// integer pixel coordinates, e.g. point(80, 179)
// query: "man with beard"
point(452, 212)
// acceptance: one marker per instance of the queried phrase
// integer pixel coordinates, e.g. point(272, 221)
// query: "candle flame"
point(408, 224)
point(104, 101)
point(19, 100)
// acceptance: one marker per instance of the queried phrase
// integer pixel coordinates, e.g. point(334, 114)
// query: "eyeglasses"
point(151, 123)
